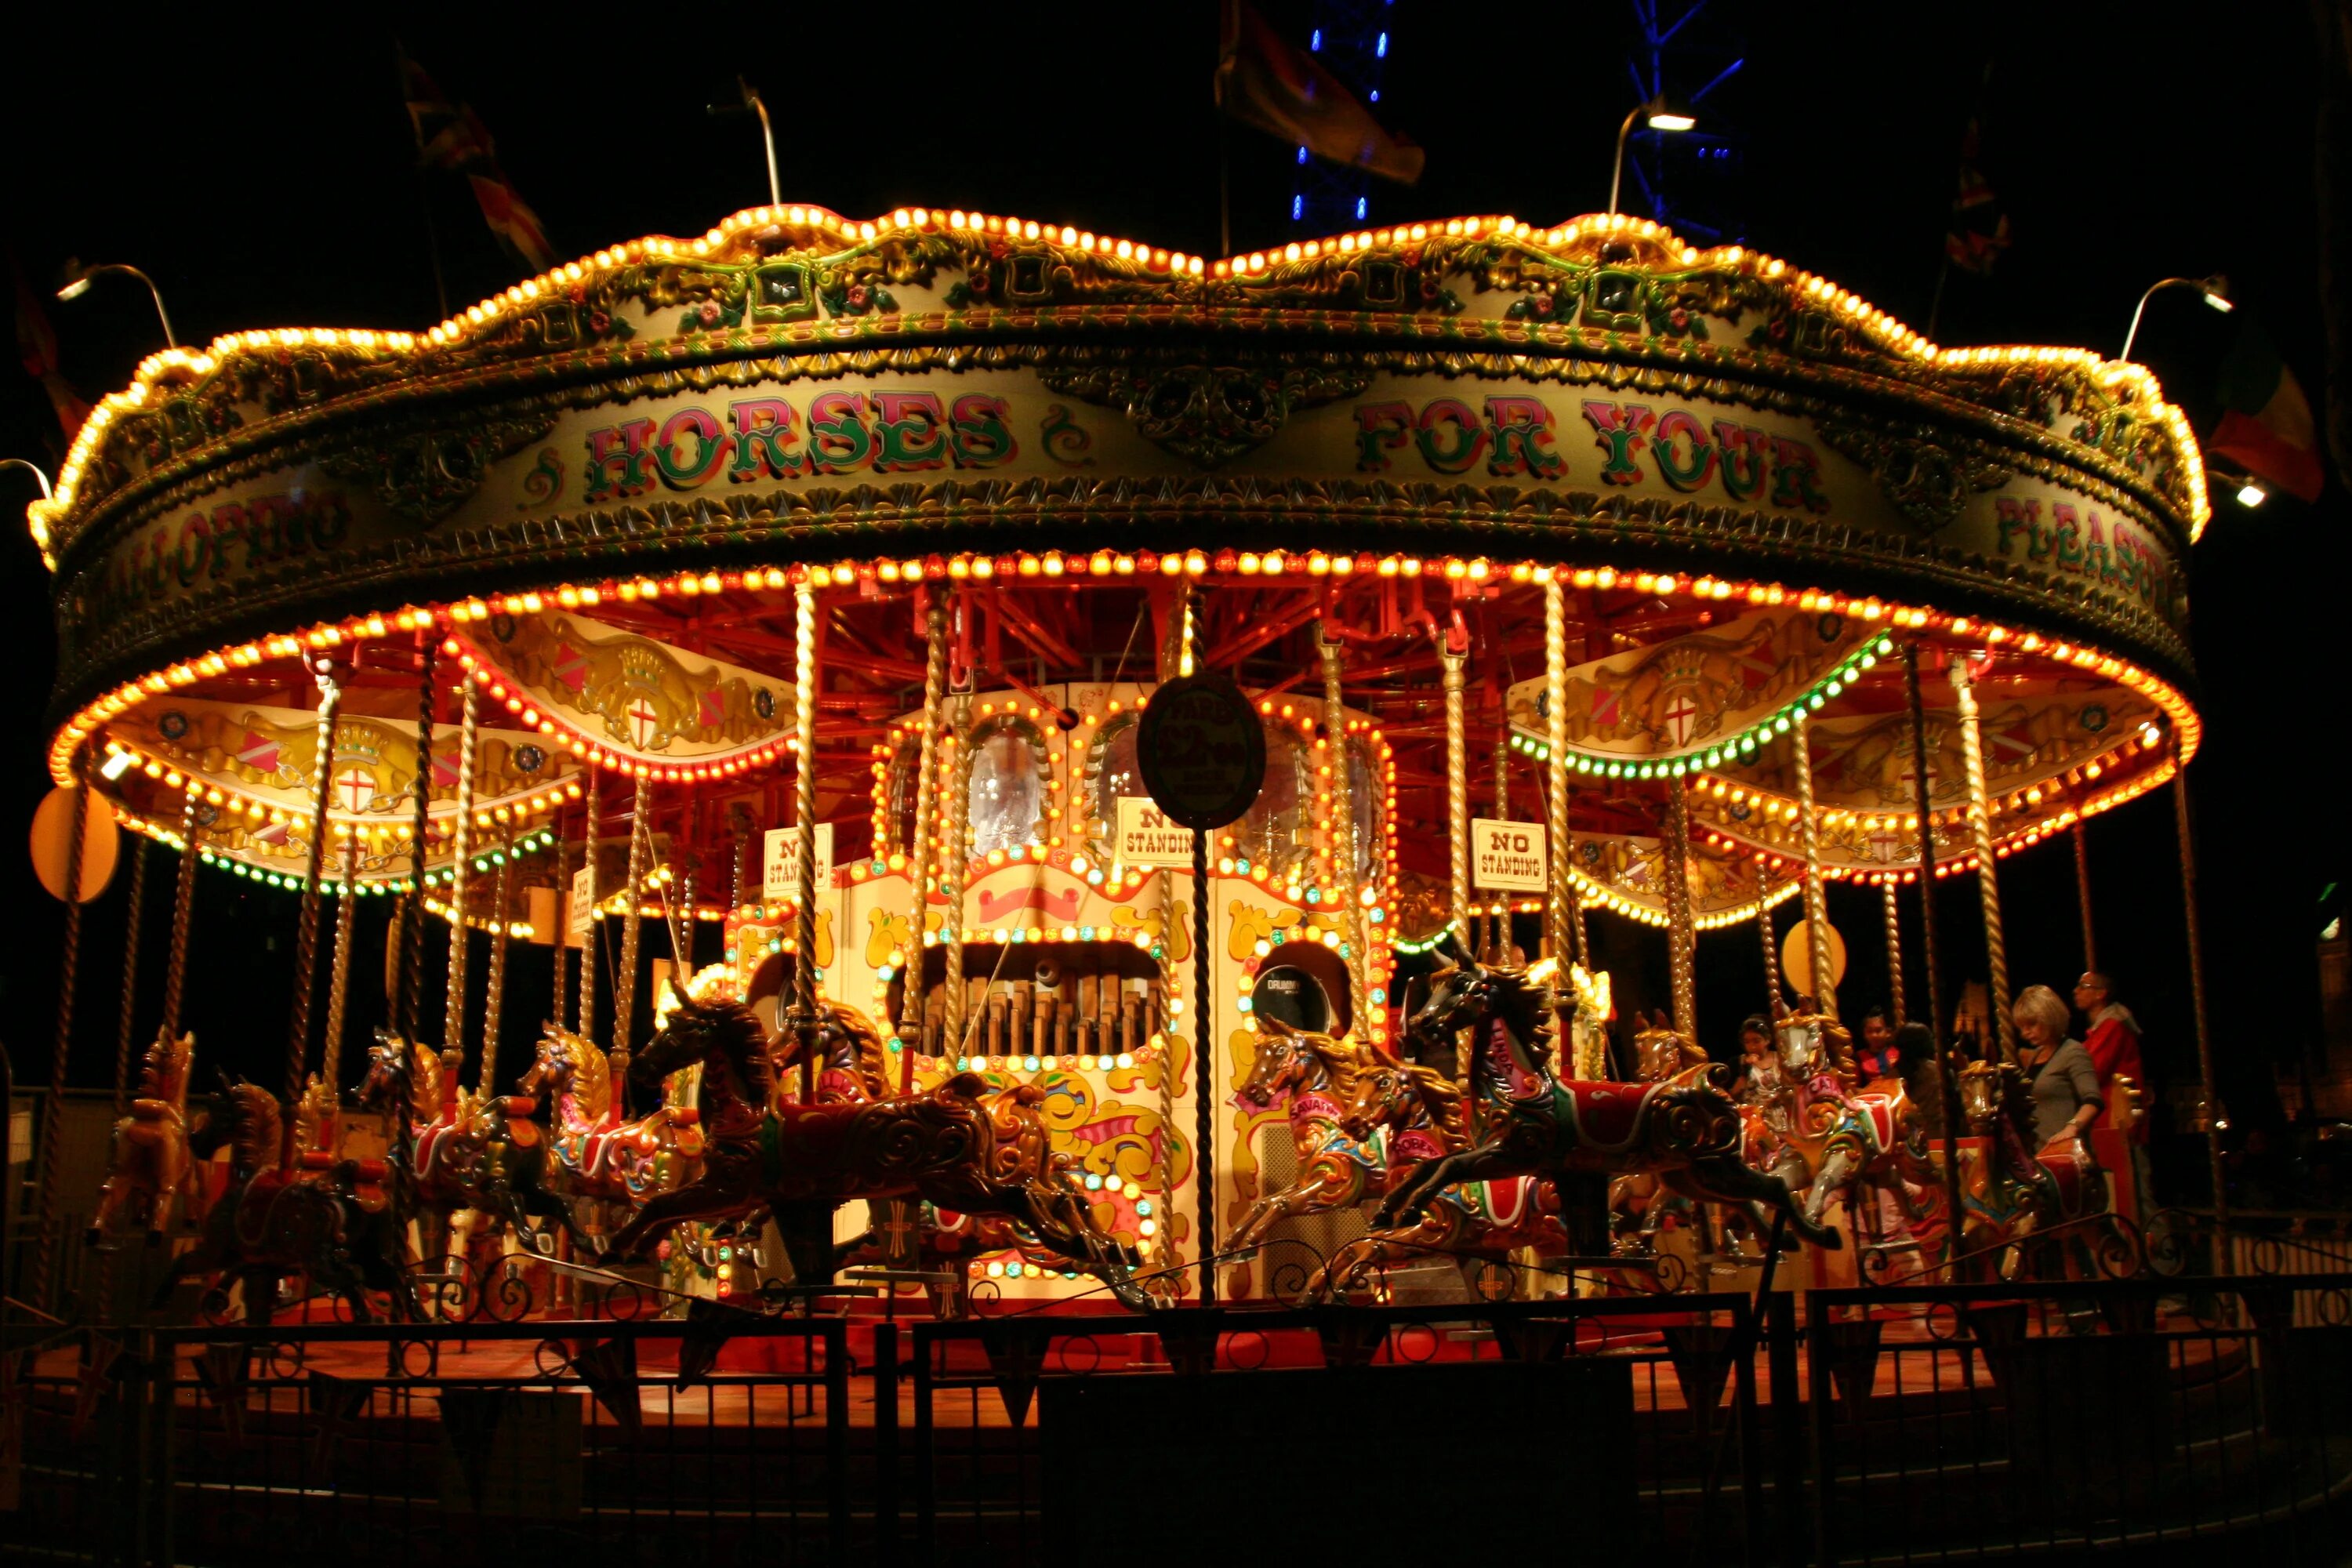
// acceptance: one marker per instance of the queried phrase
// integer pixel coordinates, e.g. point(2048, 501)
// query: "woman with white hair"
point(2064, 1085)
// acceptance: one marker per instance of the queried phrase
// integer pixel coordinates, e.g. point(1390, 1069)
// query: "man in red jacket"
point(2112, 1044)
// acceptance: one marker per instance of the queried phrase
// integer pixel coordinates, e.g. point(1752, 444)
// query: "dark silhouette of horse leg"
point(715, 1197)
point(1488, 1162)
point(1725, 1179)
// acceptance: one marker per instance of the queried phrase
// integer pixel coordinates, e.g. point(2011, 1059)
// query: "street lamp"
point(78, 281)
point(39, 477)
point(1662, 116)
point(751, 101)
point(2215, 289)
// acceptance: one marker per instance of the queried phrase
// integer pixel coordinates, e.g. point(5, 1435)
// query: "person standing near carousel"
point(2112, 1042)
point(2058, 1071)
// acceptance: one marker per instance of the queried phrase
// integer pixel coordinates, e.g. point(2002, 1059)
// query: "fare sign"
point(1202, 750)
point(1507, 855)
point(1147, 837)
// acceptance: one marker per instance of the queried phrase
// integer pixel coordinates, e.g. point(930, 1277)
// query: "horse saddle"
point(1606, 1116)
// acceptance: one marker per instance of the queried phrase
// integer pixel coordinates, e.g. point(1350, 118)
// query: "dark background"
point(262, 171)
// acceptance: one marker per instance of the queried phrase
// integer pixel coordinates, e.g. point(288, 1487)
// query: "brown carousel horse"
point(458, 1156)
point(272, 1223)
point(151, 1163)
point(1537, 1124)
point(956, 1147)
point(1640, 1203)
point(2014, 1191)
point(1481, 1221)
point(1313, 1077)
point(604, 1165)
point(1858, 1144)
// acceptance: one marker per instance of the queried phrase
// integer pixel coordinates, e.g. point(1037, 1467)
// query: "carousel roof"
point(1751, 484)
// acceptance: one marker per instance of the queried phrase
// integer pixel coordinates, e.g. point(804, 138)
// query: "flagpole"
point(424, 196)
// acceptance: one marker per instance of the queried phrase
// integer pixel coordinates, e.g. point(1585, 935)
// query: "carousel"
point(759, 633)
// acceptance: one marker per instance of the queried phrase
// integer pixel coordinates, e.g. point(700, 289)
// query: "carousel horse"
point(1688, 1133)
point(151, 1163)
point(1857, 1144)
point(1312, 1076)
point(271, 1223)
point(957, 1147)
point(2012, 1191)
point(1639, 1202)
point(1485, 1221)
point(603, 1164)
point(458, 1156)
point(851, 1065)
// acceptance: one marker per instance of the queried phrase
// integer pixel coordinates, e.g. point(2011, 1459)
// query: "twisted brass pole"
point(338, 970)
point(461, 867)
point(590, 866)
point(412, 930)
point(1563, 928)
point(1345, 869)
point(633, 915)
point(2083, 896)
point(1681, 936)
point(919, 863)
point(1457, 794)
point(495, 1006)
point(1772, 946)
point(131, 918)
point(804, 815)
point(184, 908)
point(52, 1112)
point(955, 829)
point(1894, 953)
point(306, 929)
point(1987, 877)
point(1922, 800)
point(1817, 904)
point(1498, 928)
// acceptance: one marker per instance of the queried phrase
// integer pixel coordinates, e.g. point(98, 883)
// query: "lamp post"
point(752, 102)
point(40, 477)
point(1662, 116)
point(2214, 290)
point(78, 279)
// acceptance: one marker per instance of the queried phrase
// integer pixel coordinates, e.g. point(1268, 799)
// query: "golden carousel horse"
point(272, 1222)
point(1313, 1077)
point(1541, 1125)
point(1856, 1144)
point(151, 1164)
point(605, 1165)
point(1479, 1221)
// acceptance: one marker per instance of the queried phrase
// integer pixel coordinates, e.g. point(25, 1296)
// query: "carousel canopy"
point(597, 494)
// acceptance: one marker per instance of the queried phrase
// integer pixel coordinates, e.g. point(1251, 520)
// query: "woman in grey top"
point(2064, 1085)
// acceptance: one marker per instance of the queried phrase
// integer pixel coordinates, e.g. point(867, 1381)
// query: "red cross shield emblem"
point(645, 723)
point(1679, 715)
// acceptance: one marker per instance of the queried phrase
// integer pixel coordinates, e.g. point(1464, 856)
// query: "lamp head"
point(76, 289)
point(2251, 495)
point(1662, 118)
point(2216, 291)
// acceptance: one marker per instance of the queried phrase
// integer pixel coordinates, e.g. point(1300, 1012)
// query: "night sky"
point(264, 173)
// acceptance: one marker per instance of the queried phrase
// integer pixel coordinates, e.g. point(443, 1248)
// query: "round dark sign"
point(1202, 750)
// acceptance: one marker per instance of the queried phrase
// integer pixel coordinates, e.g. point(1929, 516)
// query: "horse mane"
point(1526, 1007)
point(871, 1056)
point(424, 1081)
point(1441, 1100)
point(164, 1058)
point(592, 1075)
point(311, 1112)
point(732, 1027)
point(1340, 1058)
point(257, 1139)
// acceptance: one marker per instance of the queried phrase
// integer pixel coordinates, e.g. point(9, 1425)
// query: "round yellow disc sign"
point(1797, 957)
point(52, 839)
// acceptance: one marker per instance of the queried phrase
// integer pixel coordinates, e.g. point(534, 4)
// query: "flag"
point(2265, 426)
point(451, 136)
point(1979, 228)
point(37, 346)
point(1264, 81)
